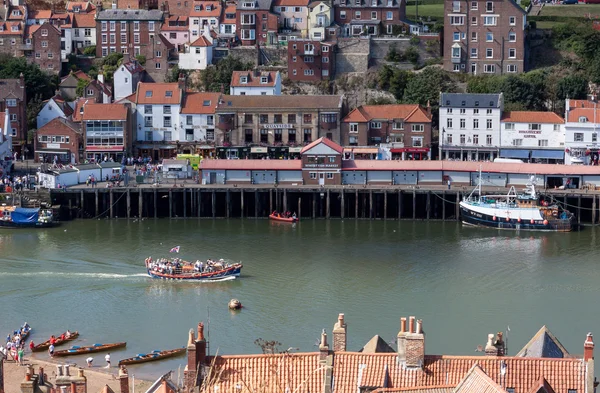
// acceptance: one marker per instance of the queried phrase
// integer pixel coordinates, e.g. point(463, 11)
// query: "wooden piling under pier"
point(360, 202)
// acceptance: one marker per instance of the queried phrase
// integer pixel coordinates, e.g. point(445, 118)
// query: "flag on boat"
point(175, 249)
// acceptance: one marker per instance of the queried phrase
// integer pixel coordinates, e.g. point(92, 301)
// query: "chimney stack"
point(339, 335)
point(588, 348)
point(73, 387)
point(490, 348)
point(200, 354)
point(415, 344)
point(401, 339)
point(323, 346)
point(124, 380)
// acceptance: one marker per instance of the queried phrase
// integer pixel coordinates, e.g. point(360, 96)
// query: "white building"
point(53, 108)
point(198, 117)
point(197, 55)
point(66, 43)
point(204, 14)
point(320, 20)
point(227, 25)
point(5, 141)
point(582, 126)
point(157, 113)
point(126, 79)
point(255, 83)
point(470, 126)
point(83, 31)
point(533, 137)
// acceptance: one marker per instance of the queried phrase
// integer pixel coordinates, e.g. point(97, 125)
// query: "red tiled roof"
point(194, 103)
point(81, 103)
point(130, 98)
point(41, 14)
point(201, 41)
point(429, 389)
point(297, 372)
point(409, 112)
point(531, 117)
point(253, 165)
point(8, 29)
point(582, 104)
point(215, 11)
point(31, 29)
point(84, 6)
point(520, 373)
point(230, 9)
point(477, 381)
point(287, 3)
point(592, 115)
point(10, 16)
point(156, 93)
point(84, 20)
point(58, 125)
point(105, 112)
point(326, 141)
point(252, 79)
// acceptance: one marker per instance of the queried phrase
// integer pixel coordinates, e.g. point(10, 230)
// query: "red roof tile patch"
point(80, 104)
point(428, 389)
point(328, 142)
point(105, 112)
point(41, 14)
point(412, 113)
point(532, 117)
point(11, 16)
point(253, 79)
point(590, 114)
point(201, 8)
point(582, 104)
point(230, 9)
point(201, 41)
point(8, 29)
point(84, 20)
point(195, 103)
point(298, 372)
point(31, 29)
point(158, 93)
point(253, 165)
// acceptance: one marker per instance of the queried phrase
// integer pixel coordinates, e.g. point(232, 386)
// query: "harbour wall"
point(339, 202)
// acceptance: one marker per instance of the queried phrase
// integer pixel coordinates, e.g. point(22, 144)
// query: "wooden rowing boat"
point(151, 357)
point(282, 219)
point(44, 346)
point(76, 350)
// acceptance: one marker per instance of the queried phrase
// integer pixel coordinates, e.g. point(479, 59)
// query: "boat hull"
point(479, 219)
point(232, 271)
point(283, 219)
point(46, 344)
point(90, 349)
point(15, 225)
point(150, 358)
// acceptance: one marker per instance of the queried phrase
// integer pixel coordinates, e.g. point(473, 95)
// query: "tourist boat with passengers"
point(526, 211)
point(178, 269)
point(59, 341)
point(20, 217)
point(77, 350)
point(154, 356)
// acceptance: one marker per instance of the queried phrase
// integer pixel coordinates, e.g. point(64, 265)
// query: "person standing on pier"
point(51, 350)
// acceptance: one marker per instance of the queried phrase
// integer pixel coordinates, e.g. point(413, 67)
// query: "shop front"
point(582, 155)
point(361, 153)
point(233, 152)
point(104, 153)
point(550, 156)
point(156, 152)
point(61, 156)
point(410, 153)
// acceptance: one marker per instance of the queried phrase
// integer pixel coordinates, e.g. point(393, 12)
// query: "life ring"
point(532, 222)
point(545, 222)
point(507, 219)
point(494, 218)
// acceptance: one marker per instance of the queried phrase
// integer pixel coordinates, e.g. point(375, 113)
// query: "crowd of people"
point(15, 344)
point(179, 266)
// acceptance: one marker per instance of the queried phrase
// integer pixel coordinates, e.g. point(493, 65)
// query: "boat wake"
point(72, 275)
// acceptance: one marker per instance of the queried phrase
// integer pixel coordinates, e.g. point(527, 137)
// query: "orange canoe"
point(278, 218)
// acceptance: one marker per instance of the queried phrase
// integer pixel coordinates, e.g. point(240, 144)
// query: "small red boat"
point(278, 217)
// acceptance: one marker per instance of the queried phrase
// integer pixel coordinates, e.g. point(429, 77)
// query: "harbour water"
point(463, 282)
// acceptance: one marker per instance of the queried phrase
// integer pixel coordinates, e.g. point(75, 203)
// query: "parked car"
point(570, 2)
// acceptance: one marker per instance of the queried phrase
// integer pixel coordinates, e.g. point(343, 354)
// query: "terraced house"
point(484, 37)
point(369, 17)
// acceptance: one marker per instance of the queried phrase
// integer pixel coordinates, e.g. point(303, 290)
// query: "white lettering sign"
point(53, 145)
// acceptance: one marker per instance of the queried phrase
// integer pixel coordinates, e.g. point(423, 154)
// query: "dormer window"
point(197, 8)
point(149, 94)
point(15, 28)
point(357, 2)
point(583, 119)
point(464, 103)
point(390, 3)
point(476, 103)
point(248, 4)
point(206, 103)
point(243, 79)
point(374, 3)
point(209, 7)
point(16, 13)
point(168, 93)
point(264, 79)
point(491, 103)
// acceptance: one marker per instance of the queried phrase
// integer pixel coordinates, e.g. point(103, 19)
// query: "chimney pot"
point(419, 326)
point(588, 348)
point(67, 373)
point(73, 387)
point(191, 338)
point(411, 324)
point(403, 325)
point(201, 331)
point(80, 373)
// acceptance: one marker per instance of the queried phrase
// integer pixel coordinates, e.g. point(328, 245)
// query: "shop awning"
point(548, 154)
point(397, 150)
point(104, 148)
point(365, 150)
point(55, 151)
point(514, 153)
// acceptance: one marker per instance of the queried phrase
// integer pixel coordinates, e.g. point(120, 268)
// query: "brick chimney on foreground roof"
point(588, 361)
point(200, 353)
point(401, 340)
point(415, 344)
point(323, 346)
point(123, 380)
point(495, 345)
point(588, 348)
point(339, 335)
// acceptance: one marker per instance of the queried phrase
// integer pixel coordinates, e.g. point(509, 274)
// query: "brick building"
point(277, 121)
point(13, 97)
point(61, 138)
point(126, 30)
point(310, 60)
point(484, 37)
point(369, 17)
point(11, 37)
point(255, 22)
point(407, 127)
point(46, 48)
point(322, 161)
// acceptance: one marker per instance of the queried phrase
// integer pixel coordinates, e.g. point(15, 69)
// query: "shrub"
point(89, 51)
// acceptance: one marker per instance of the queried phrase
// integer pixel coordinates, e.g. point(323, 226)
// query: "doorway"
point(321, 178)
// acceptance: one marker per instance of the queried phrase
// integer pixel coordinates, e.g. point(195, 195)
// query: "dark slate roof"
point(377, 345)
point(130, 15)
point(468, 100)
point(544, 345)
point(11, 88)
point(259, 5)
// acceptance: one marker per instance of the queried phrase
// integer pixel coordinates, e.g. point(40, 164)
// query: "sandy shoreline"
point(97, 376)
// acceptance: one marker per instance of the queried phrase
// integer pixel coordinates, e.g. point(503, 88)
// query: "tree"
point(393, 54)
point(485, 84)
point(173, 75)
point(393, 80)
point(89, 50)
point(141, 59)
point(81, 84)
point(218, 76)
point(572, 86)
point(34, 106)
point(519, 91)
point(426, 86)
point(37, 82)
